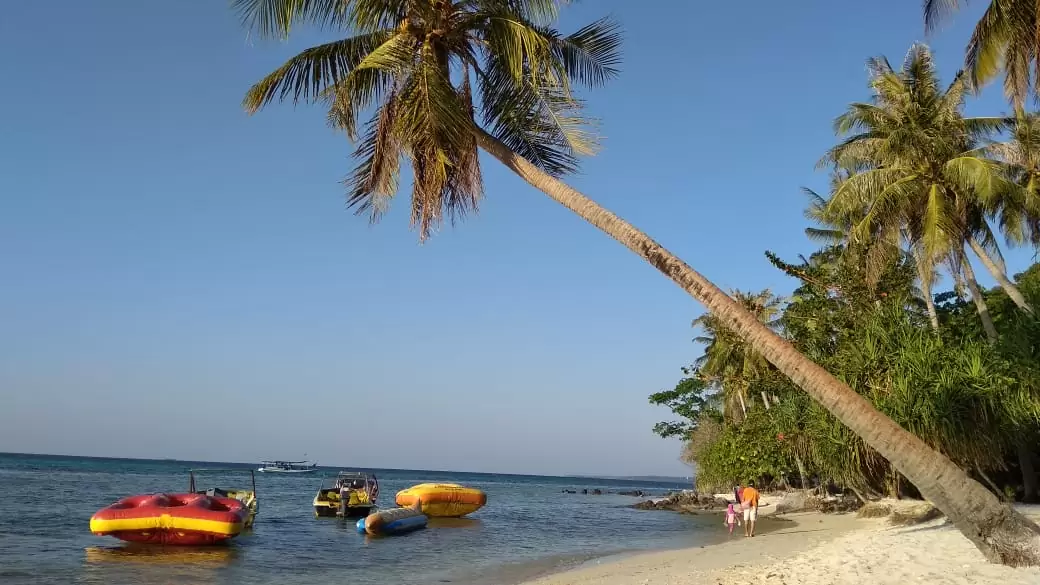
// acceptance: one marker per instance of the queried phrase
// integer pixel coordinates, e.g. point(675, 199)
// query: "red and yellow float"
point(175, 519)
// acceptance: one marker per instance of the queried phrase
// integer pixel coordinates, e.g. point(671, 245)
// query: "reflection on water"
point(208, 557)
point(156, 565)
point(472, 523)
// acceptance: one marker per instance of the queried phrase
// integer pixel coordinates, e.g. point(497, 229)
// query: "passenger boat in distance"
point(287, 467)
point(352, 495)
point(246, 496)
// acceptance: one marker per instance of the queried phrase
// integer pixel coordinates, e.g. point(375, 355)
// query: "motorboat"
point(287, 467)
point(246, 496)
point(352, 495)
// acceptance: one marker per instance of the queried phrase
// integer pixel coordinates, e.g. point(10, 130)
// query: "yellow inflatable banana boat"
point(443, 500)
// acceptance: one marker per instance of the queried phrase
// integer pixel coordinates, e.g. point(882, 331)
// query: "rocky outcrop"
point(815, 501)
point(688, 502)
point(599, 492)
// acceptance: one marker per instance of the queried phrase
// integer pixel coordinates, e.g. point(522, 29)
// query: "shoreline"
point(538, 570)
point(693, 564)
point(810, 548)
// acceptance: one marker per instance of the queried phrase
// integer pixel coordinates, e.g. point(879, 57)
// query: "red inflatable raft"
point(177, 519)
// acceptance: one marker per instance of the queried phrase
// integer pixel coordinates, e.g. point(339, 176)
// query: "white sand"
point(815, 549)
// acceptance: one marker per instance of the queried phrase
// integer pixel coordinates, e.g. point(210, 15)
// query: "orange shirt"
point(750, 496)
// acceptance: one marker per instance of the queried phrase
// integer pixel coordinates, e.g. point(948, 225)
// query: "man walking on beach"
point(749, 502)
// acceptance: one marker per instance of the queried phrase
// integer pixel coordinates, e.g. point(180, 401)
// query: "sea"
point(530, 527)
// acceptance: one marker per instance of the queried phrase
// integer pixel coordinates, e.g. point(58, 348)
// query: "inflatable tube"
point(177, 519)
point(443, 500)
point(395, 521)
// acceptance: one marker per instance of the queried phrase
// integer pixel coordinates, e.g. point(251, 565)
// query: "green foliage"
point(728, 362)
point(749, 451)
point(688, 400)
point(964, 396)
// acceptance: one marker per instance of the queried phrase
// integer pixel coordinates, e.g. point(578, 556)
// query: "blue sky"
point(182, 280)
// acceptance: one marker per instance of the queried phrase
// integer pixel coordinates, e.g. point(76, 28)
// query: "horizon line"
point(321, 466)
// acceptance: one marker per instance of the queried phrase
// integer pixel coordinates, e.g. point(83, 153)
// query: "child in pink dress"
point(732, 519)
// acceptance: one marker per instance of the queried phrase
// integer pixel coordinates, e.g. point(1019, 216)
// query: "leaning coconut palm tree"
point(1005, 39)
point(409, 59)
point(915, 176)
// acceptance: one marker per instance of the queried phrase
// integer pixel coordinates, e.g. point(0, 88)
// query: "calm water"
point(529, 527)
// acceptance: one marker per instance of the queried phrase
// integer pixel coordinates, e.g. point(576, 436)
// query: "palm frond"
point(309, 74)
point(890, 202)
point(369, 15)
point(543, 124)
point(374, 181)
point(275, 18)
point(590, 56)
point(974, 175)
point(434, 119)
point(520, 49)
point(1017, 52)
point(859, 116)
point(938, 230)
point(985, 52)
point(861, 189)
point(937, 10)
point(534, 11)
point(372, 78)
point(825, 235)
point(985, 127)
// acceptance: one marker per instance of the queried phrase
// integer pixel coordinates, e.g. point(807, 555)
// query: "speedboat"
point(352, 495)
point(287, 467)
point(246, 496)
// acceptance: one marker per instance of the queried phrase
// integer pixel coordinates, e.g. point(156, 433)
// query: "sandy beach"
point(814, 549)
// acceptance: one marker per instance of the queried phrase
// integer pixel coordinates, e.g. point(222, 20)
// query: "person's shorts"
point(750, 514)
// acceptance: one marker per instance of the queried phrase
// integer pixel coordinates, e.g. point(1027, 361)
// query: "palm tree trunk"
point(1002, 534)
point(977, 298)
point(1000, 276)
point(859, 495)
point(1025, 463)
point(993, 486)
point(924, 274)
point(801, 472)
point(929, 303)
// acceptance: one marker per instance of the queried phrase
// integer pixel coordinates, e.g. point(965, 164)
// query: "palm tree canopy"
point(1017, 211)
point(1004, 39)
point(914, 175)
point(729, 362)
point(429, 70)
